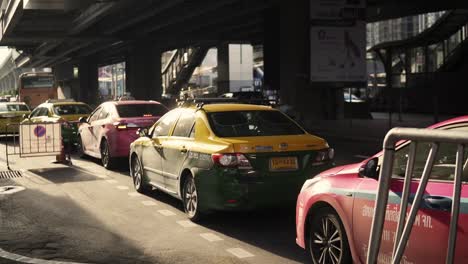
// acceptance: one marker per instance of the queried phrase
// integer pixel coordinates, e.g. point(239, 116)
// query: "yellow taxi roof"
point(61, 103)
point(235, 107)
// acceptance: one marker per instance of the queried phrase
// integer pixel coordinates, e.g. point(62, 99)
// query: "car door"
point(98, 128)
point(152, 153)
point(176, 148)
point(86, 131)
point(432, 221)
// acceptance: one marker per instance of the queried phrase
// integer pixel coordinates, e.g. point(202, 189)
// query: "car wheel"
point(107, 161)
point(79, 148)
point(139, 181)
point(327, 238)
point(190, 199)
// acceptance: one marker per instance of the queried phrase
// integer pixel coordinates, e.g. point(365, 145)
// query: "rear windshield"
point(252, 124)
point(13, 107)
point(72, 109)
point(141, 110)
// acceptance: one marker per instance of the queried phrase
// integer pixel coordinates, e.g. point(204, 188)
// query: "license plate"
point(283, 164)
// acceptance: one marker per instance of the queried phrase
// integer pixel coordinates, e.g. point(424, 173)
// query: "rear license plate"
point(283, 164)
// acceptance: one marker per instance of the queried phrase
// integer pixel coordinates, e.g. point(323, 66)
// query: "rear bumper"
point(119, 142)
point(229, 190)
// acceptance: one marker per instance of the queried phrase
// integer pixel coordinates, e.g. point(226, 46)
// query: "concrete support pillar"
point(223, 68)
point(271, 49)
point(288, 62)
point(308, 101)
point(88, 82)
point(143, 71)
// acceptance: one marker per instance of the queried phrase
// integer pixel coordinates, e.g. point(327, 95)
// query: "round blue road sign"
point(39, 131)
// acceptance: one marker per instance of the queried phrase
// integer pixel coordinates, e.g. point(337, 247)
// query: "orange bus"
point(36, 87)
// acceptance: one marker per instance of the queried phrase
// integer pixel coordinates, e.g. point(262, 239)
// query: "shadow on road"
point(271, 230)
point(42, 226)
point(64, 175)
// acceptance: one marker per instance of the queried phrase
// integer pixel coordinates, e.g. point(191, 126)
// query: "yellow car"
point(12, 113)
point(66, 112)
point(227, 157)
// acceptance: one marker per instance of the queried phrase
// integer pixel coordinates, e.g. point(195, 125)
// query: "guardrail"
point(37, 140)
point(404, 227)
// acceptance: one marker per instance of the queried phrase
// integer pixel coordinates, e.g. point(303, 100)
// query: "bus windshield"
point(37, 82)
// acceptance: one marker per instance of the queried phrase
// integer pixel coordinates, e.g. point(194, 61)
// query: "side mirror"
point(25, 116)
point(83, 120)
point(370, 169)
point(143, 132)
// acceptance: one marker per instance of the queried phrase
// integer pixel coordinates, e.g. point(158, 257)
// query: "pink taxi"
point(110, 129)
point(335, 208)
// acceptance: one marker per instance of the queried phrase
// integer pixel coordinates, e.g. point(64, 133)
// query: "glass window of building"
point(112, 79)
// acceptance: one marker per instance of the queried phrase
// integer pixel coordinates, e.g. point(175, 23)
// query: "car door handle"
point(183, 150)
point(440, 203)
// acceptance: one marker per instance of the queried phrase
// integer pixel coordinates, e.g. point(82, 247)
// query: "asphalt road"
point(87, 214)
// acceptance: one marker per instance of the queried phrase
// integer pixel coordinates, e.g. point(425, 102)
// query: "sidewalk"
point(370, 130)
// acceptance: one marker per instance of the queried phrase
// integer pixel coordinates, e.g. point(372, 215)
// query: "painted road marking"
point(134, 194)
point(186, 223)
point(166, 212)
point(240, 253)
point(211, 237)
point(22, 259)
point(121, 187)
point(111, 181)
point(148, 203)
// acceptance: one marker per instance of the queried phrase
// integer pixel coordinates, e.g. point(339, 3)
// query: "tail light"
point(123, 126)
point(231, 160)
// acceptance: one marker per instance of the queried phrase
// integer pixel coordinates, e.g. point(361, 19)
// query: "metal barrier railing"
point(404, 227)
point(37, 139)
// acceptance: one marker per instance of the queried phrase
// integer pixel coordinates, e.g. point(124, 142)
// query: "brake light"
point(123, 126)
point(231, 160)
point(120, 126)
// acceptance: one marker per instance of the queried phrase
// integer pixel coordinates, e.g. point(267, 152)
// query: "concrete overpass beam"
point(143, 66)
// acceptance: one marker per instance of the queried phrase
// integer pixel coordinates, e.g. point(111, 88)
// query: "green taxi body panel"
point(257, 188)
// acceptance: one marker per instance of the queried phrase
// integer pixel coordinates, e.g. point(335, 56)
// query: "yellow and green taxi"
point(11, 114)
point(67, 112)
point(227, 157)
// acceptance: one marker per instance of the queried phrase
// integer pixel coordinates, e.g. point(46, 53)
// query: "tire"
point(190, 199)
point(79, 148)
point(327, 241)
point(139, 180)
point(107, 161)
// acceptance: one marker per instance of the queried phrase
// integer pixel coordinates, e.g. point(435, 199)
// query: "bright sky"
point(4, 51)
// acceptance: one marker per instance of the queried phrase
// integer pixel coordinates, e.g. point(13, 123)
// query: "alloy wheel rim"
point(326, 242)
point(191, 198)
point(105, 154)
point(136, 174)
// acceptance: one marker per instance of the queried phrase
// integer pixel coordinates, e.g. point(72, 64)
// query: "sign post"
point(43, 139)
point(338, 42)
